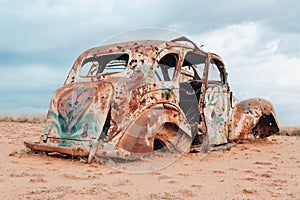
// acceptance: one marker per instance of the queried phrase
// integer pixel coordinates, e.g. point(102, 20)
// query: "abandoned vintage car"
point(137, 97)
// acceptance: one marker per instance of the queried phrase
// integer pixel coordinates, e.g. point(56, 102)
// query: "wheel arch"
point(144, 129)
point(254, 115)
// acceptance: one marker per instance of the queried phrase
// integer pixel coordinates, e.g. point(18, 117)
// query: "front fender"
point(254, 115)
point(140, 134)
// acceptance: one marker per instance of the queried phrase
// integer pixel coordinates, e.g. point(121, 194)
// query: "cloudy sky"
point(259, 41)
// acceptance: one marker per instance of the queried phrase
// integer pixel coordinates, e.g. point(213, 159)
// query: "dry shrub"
point(290, 131)
point(6, 119)
point(24, 119)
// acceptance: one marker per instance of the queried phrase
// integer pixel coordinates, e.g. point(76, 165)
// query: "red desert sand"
point(256, 169)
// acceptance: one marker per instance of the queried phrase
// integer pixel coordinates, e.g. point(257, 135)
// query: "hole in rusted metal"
point(158, 144)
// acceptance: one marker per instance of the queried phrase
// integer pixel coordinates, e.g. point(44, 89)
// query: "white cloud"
point(271, 46)
point(232, 40)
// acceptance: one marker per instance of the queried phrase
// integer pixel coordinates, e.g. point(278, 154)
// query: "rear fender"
point(77, 114)
point(139, 136)
point(253, 115)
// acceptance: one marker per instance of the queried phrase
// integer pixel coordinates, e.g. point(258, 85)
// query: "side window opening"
point(190, 85)
point(165, 70)
point(193, 66)
point(214, 74)
point(188, 70)
point(111, 63)
point(190, 80)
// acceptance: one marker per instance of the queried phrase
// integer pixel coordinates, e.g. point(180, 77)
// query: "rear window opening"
point(105, 64)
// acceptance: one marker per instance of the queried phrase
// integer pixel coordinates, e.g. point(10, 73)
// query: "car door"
point(216, 103)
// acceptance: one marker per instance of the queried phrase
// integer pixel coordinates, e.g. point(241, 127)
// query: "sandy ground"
point(265, 169)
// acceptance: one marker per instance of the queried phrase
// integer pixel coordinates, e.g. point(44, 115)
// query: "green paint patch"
point(219, 120)
point(167, 90)
point(72, 129)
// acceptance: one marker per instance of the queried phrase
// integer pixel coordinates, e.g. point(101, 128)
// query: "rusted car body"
point(139, 96)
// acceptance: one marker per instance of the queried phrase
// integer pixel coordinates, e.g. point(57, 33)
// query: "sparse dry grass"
point(289, 131)
point(24, 119)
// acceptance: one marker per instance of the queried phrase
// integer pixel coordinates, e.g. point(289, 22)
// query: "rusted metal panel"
point(75, 151)
point(247, 115)
point(148, 125)
point(216, 114)
point(77, 114)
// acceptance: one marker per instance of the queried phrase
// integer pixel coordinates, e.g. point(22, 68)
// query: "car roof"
point(135, 45)
point(142, 44)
